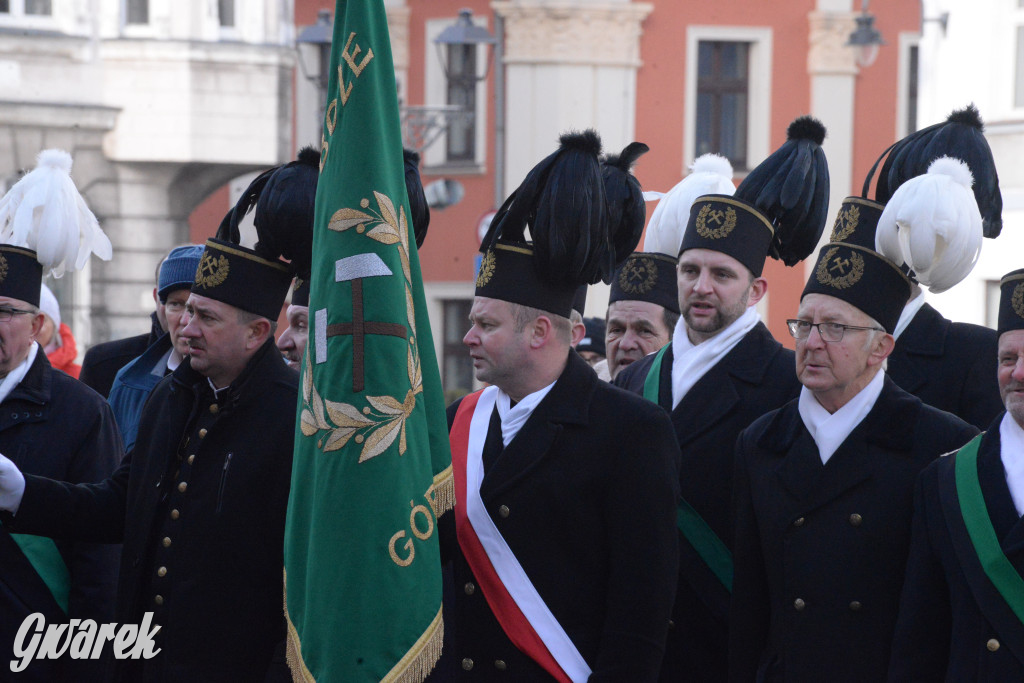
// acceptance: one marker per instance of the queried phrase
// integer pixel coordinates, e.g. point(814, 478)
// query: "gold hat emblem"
point(212, 271)
point(725, 220)
point(638, 275)
point(846, 222)
point(1017, 300)
point(3, 268)
point(486, 269)
point(841, 273)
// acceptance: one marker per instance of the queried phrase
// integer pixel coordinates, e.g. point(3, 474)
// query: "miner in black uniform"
point(823, 488)
point(53, 426)
point(722, 370)
point(565, 557)
point(962, 610)
point(200, 501)
point(948, 365)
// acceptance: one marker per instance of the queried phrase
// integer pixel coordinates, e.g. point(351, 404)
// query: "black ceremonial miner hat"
point(731, 226)
point(1011, 302)
point(235, 275)
point(21, 275)
point(863, 278)
point(647, 276)
point(509, 272)
point(856, 222)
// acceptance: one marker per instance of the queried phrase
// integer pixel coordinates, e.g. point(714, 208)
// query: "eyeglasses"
point(829, 332)
point(7, 312)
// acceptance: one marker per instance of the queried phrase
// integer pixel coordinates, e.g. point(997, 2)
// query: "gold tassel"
point(441, 493)
point(421, 658)
point(293, 652)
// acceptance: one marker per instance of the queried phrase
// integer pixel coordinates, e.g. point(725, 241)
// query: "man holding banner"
point(372, 468)
point(962, 610)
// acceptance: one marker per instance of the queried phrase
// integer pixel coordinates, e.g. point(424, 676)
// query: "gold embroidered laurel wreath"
point(638, 276)
point(846, 223)
point(3, 268)
point(1017, 300)
point(486, 269)
point(824, 274)
point(726, 221)
point(212, 272)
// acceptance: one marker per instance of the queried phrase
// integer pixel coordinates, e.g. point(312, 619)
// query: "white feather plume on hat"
point(932, 224)
point(709, 174)
point(44, 212)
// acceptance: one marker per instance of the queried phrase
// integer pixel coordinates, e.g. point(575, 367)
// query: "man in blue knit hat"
point(136, 380)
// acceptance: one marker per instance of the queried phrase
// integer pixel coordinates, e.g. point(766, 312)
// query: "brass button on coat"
point(191, 458)
point(992, 645)
point(799, 521)
point(159, 599)
point(500, 664)
point(856, 519)
point(162, 572)
point(182, 486)
point(167, 541)
point(214, 408)
point(469, 588)
point(175, 514)
point(855, 605)
point(467, 664)
point(503, 511)
point(202, 433)
point(799, 604)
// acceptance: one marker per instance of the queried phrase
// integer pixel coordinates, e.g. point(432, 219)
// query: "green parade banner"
point(372, 464)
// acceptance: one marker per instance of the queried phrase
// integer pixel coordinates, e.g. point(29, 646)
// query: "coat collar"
point(137, 372)
point(568, 403)
point(716, 393)
point(925, 335)
point(36, 385)
point(886, 429)
point(266, 365)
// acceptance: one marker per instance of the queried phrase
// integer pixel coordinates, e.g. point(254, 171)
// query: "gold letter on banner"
point(357, 69)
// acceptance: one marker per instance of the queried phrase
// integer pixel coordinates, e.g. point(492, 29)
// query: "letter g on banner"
point(20, 651)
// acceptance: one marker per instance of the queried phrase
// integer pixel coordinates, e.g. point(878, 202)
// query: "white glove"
point(12, 485)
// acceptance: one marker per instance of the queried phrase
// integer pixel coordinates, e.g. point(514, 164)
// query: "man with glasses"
point(823, 487)
point(53, 426)
point(135, 381)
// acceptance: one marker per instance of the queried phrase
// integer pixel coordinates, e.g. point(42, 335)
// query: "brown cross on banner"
point(359, 328)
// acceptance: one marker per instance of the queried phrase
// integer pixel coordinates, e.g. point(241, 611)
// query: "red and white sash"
point(520, 610)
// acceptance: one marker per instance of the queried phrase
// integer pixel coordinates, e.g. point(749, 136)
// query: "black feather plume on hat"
point(417, 199)
point(284, 198)
point(563, 201)
point(960, 136)
point(790, 188)
point(627, 212)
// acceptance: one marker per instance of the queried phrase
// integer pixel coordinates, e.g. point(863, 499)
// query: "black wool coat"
point(102, 361)
point(757, 376)
point(220, 537)
point(953, 624)
point(950, 366)
point(585, 497)
point(820, 550)
point(53, 426)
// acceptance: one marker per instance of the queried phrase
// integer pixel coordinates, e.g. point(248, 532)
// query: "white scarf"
point(15, 376)
point(829, 430)
point(691, 362)
point(909, 311)
point(1011, 444)
point(513, 418)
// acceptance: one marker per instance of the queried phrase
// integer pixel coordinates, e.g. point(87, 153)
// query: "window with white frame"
point(136, 12)
point(27, 8)
point(461, 147)
point(908, 79)
point(226, 13)
point(728, 94)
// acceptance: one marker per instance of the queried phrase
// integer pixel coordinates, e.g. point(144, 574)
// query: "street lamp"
point(865, 38)
point(319, 36)
point(461, 40)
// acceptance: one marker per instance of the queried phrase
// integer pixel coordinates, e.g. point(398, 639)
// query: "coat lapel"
point(882, 433)
point(715, 395)
point(568, 402)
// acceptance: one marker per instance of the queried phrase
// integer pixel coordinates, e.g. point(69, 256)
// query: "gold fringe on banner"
point(419, 661)
point(293, 653)
point(441, 493)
